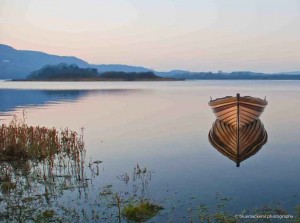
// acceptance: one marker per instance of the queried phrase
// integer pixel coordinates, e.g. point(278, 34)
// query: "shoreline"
point(99, 80)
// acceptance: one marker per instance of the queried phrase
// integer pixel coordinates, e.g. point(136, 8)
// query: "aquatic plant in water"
point(37, 164)
point(135, 205)
point(141, 212)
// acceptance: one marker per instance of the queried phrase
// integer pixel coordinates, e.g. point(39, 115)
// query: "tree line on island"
point(236, 75)
point(71, 72)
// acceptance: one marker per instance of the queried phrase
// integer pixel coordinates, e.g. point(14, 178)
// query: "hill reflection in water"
point(17, 98)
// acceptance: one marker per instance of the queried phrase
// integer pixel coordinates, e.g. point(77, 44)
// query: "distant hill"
point(291, 73)
point(237, 75)
point(210, 75)
point(175, 74)
point(17, 64)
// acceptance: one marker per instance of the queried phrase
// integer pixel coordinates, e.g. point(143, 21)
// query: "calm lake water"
point(164, 127)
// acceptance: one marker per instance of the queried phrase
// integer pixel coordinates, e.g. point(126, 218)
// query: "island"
point(71, 72)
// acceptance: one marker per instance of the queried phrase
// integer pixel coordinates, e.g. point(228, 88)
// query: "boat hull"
point(237, 110)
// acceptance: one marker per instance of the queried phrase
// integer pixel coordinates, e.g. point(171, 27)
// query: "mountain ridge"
point(17, 64)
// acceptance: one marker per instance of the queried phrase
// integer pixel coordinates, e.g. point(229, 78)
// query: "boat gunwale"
point(228, 99)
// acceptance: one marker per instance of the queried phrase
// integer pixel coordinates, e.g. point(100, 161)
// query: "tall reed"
point(19, 141)
point(36, 165)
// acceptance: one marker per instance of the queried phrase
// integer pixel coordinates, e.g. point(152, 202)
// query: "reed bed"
point(36, 165)
point(19, 141)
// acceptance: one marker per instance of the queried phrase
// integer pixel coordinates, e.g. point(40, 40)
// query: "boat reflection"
point(238, 144)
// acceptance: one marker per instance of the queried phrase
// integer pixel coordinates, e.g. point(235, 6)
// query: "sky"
point(195, 35)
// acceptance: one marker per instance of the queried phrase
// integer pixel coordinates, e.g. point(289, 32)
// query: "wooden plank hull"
point(238, 144)
point(238, 111)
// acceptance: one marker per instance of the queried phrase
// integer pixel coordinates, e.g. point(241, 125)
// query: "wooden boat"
point(238, 111)
point(238, 144)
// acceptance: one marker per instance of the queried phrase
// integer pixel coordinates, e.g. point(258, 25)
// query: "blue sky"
point(197, 35)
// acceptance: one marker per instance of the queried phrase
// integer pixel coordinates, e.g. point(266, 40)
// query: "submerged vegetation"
point(37, 164)
point(220, 213)
point(141, 212)
point(37, 192)
point(142, 208)
point(30, 190)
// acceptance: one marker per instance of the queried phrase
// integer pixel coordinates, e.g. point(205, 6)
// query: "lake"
point(163, 127)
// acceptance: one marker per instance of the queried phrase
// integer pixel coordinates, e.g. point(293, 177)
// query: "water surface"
point(164, 126)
